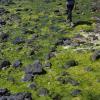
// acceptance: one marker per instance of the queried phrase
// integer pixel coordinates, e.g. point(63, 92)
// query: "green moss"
point(43, 16)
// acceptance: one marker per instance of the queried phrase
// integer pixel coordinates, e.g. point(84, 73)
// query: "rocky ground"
point(42, 58)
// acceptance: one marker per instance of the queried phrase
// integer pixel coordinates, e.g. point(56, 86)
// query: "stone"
point(4, 92)
point(3, 37)
point(64, 73)
point(28, 77)
point(61, 80)
point(70, 63)
point(32, 86)
point(48, 65)
point(17, 64)
point(72, 81)
point(4, 64)
point(43, 92)
point(50, 55)
point(88, 69)
point(2, 11)
point(96, 55)
point(2, 22)
point(63, 41)
point(17, 96)
point(35, 68)
point(23, 96)
point(18, 40)
point(76, 92)
point(5, 1)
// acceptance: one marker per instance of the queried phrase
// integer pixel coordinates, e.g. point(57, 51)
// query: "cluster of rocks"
point(6, 95)
point(6, 63)
point(32, 70)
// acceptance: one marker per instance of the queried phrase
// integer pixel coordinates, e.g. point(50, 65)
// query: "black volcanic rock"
point(3, 37)
point(4, 64)
point(4, 92)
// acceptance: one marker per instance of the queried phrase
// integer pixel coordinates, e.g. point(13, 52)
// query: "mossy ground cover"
point(40, 18)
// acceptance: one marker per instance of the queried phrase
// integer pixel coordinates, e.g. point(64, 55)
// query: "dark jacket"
point(70, 2)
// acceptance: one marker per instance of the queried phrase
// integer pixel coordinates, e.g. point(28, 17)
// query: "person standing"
point(70, 5)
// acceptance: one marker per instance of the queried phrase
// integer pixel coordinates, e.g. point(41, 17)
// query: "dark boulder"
point(3, 37)
point(2, 22)
point(4, 64)
point(27, 77)
point(96, 55)
point(4, 92)
point(35, 68)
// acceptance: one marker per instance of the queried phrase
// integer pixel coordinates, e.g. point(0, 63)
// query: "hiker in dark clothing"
point(70, 6)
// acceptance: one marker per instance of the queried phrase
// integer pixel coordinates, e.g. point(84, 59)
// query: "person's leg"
point(69, 12)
